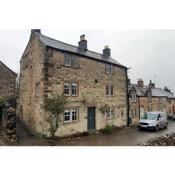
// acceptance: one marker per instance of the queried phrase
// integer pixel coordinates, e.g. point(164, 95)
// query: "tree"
point(54, 106)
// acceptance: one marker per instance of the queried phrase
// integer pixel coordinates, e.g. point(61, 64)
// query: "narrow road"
point(122, 137)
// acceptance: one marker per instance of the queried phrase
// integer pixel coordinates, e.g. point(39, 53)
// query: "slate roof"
point(47, 41)
point(1, 63)
point(155, 92)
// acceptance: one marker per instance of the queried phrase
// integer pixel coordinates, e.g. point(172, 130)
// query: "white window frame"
point(109, 113)
point(75, 85)
point(67, 84)
point(67, 111)
point(133, 97)
point(68, 60)
point(71, 116)
point(109, 69)
point(108, 88)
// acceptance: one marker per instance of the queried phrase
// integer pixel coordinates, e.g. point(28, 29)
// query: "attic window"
point(109, 69)
point(70, 60)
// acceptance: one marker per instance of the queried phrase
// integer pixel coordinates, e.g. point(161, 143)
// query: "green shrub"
point(107, 130)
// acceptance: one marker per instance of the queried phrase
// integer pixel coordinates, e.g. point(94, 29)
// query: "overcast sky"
point(149, 53)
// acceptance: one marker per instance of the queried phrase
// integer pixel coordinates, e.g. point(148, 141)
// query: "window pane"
point(67, 60)
point(107, 90)
point(66, 89)
point(74, 89)
point(111, 69)
point(74, 114)
point(67, 115)
point(111, 90)
point(107, 68)
point(112, 112)
point(108, 113)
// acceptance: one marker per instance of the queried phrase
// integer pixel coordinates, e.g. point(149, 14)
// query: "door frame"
point(94, 118)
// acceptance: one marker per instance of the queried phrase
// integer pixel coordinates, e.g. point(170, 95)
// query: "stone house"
point(149, 98)
point(7, 81)
point(92, 82)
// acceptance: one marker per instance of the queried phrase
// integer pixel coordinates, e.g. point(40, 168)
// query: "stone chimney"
point(167, 89)
point(151, 84)
point(140, 83)
point(35, 31)
point(107, 51)
point(82, 43)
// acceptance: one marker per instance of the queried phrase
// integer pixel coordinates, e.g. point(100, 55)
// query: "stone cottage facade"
point(7, 81)
point(149, 98)
point(95, 85)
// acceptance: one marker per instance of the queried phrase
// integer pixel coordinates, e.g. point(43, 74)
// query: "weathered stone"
point(7, 81)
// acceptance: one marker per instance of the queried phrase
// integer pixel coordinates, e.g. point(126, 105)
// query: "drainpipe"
point(127, 97)
point(139, 106)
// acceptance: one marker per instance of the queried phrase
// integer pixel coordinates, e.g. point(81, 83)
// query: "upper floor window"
point(133, 97)
point(66, 89)
point(74, 89)
point(109, 90)
point(70, 89)
point(70, 60)
point(109, 69)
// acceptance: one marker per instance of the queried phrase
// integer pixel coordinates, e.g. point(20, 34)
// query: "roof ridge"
point(8, 67)
point(72, 45)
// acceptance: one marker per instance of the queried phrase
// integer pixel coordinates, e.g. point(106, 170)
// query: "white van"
point(153, 120)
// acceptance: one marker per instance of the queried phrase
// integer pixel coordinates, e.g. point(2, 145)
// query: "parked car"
point(153, 120)
point(171, 117)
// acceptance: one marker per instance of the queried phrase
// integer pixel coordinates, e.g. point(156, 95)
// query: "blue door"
point(91, 118)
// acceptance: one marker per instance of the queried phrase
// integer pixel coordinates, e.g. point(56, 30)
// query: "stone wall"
point(7, 81)
point(31, 86)
point(92, 80)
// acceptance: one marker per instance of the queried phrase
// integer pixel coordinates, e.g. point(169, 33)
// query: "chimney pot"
point(140, 83)
point(82, 43)
point(107, 51)
point(35, 31)
point(151, 84)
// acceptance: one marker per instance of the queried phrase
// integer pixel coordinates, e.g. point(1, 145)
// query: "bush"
point(107, 130)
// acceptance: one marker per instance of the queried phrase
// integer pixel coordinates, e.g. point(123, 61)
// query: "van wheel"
point(166, 125)
point(157, 128)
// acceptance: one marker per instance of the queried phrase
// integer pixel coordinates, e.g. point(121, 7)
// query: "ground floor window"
point(70, 115)
point(110, 113)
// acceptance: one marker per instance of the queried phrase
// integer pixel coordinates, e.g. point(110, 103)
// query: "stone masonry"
point(7, 81)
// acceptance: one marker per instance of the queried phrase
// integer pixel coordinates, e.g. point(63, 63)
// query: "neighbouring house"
point(7, 81)
point(149, 98)
point(94, 83)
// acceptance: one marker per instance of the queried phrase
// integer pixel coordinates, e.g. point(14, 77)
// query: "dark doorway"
point(91, 118)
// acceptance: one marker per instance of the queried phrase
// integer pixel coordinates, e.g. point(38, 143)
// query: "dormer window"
point(109, 69)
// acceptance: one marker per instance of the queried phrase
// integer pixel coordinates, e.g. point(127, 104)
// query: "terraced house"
point(94, 83)
point(7, 81)
point(149, 98)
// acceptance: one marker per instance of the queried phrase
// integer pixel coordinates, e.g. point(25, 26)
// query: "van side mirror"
point(158, 118)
